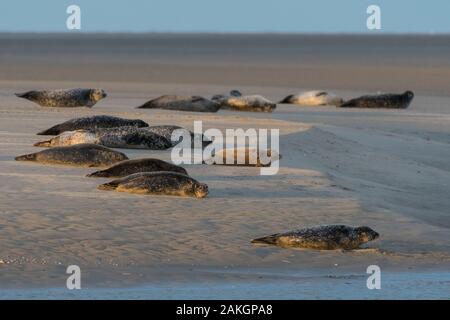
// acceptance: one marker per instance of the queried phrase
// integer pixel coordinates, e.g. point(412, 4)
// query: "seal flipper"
point(148, 105)
point(235, 93)
point(99, 174)
point(109, 186)
point(272, 239)
point(287, 99)
point(44, 144)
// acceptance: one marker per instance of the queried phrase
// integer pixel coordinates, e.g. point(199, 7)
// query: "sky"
point(285, 16)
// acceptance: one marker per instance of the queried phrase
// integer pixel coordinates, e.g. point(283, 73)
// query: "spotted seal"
point(92, 123)
point(120, 137)
point(313, 98)
point(158, 183)
point(246, 157)
point(236, 101)
point(328, 237)
point(128, 167)
point(64, 98)
point(388, 101)
point(182, 103)
point(81, 155)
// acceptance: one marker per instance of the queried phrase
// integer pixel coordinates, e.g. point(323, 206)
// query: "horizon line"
point(102, 32)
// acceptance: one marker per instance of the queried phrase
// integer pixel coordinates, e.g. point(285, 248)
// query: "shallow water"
point(343, 286)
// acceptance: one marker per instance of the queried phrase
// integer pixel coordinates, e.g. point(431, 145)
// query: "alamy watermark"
point(258, 147)
point(373, 21)
point(74, 280)
point(374, 280)
point(73, 21)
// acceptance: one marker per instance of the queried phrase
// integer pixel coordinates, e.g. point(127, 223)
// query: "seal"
point(64, 98)
point(236, 101)
point(328, 237)
point(388, 101)
point(69, 138)
point(182, 103)
point(92, 123)
point(80, 155)
point(120, 137)
point(128, 167)
point(313, 98)
point(158, 183)
point(245, 157)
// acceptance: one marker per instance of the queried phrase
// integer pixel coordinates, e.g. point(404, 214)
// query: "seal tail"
point(287, 99)
point(98, 174)
point(26, 157)
point(147, 105)
point(347, 104)
point(30, 95)
point(22, 94)
point(45, 144)
point(272, 239)
point(53, 131)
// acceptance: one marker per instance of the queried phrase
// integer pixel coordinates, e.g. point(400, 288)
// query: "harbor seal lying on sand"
point(389, 101)
point(329, 237)
point(313, 98)
point(182, 103)
point(64, 98)
point(92, 123)
point(81, 155)
point(120, 137)
point(158, 183)
point(246, 157)
point(127, 167)
point(236, 101)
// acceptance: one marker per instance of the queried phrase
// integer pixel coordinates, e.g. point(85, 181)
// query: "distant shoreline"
point(235, 34)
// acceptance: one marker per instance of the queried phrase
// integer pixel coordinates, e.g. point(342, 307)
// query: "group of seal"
point(84, 146)
point(376, 101)
point(128, 137)
point(120, 137)
point(82, 142)
point(233, 101)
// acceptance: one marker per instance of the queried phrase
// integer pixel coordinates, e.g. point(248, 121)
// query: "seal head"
point(366, 234)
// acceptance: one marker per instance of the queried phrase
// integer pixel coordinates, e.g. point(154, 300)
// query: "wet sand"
point(387, 169)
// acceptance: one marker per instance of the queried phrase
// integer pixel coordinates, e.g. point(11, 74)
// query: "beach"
point(387, 169)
